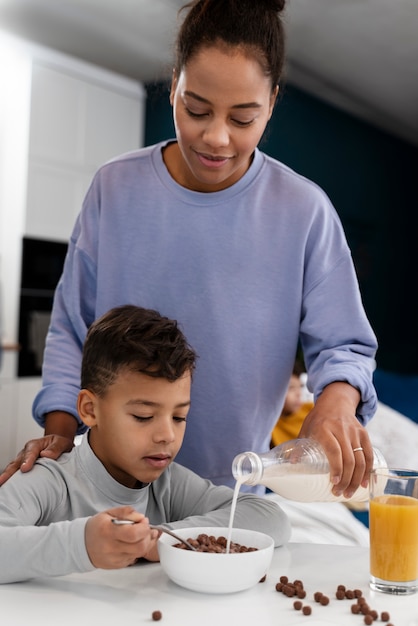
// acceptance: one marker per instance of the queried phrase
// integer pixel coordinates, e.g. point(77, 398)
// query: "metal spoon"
point(170, 532)
point(162, 529)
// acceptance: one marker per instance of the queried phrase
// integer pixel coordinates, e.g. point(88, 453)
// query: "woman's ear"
point(173, 87)
point(86, 407)
point(273, 99)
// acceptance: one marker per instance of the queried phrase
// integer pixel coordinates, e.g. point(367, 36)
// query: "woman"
point(249, 256)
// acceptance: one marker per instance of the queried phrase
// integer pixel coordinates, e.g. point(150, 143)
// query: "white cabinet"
point(60, 119)
point(80, 118)
point(55, 197)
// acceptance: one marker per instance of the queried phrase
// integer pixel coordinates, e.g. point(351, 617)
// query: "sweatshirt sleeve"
point(348, 352)
point(36, 551)
point(30, 546)
point(195, 501)
point(74, 309)
point(337, 339)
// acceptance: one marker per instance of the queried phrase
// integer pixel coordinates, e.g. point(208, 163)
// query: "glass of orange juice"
point(393, 523)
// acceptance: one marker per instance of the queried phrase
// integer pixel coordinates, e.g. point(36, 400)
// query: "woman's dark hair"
point(136, 339)
point(254, 25)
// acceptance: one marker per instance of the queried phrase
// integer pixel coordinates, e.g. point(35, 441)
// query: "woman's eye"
point(196, 115)
point(193, 114)
point(242, 123)
point(176, 418)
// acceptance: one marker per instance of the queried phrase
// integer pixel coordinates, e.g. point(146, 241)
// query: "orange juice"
point(394, 538)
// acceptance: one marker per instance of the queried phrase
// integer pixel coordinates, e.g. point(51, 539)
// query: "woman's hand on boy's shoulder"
point(48, 446)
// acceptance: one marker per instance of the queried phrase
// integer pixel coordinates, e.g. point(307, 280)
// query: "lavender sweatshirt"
point(247, 271)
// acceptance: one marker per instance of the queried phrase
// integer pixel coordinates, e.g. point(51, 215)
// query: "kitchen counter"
point(129, 596)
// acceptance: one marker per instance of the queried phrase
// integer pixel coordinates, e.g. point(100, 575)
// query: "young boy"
point(135, 395)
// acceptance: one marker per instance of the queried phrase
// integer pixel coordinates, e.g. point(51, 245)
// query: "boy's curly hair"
point(137, 339)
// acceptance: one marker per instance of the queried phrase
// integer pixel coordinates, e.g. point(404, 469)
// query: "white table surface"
point(128, 597)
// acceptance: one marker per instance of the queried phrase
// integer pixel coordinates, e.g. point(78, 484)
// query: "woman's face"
point(222, 102)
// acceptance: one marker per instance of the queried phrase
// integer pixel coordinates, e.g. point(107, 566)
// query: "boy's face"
point(138, 426)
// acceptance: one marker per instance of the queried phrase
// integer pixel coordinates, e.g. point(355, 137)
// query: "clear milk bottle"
point(296, 470)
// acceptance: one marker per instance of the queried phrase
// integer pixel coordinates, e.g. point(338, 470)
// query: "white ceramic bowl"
point(216, 573)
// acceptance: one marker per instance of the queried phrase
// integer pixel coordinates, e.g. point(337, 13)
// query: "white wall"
point(60, 119)
point(15, 81)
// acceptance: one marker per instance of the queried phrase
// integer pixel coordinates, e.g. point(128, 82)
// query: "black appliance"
point(42, 264)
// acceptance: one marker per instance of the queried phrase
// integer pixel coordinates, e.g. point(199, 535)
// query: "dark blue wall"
point(370, 177)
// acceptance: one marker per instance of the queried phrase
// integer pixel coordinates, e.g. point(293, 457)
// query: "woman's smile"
point(212, 161)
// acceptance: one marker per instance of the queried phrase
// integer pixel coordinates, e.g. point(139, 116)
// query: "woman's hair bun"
point(274, 5)
point(271, 5)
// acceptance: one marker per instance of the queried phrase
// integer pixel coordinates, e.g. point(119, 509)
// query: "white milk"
point(309, 488)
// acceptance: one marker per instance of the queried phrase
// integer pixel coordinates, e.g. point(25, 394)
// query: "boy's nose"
point(164, 432)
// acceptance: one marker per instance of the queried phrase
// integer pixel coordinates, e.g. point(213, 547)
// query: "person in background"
point(136, 377)
point(295, 409)
point(250, 256)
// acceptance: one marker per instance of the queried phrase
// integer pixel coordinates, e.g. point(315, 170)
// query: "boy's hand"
point(111, 546)
point(50, 446)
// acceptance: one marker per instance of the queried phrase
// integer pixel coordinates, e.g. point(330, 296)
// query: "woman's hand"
point(60, 430)
point(333, 423)
point(112, 546)
point(50, 446)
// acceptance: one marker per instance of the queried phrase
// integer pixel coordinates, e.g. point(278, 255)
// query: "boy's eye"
point(142, 418)
point(179, 419)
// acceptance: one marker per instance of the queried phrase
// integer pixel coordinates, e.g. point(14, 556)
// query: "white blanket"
point(323, 522)
point(396, 436)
